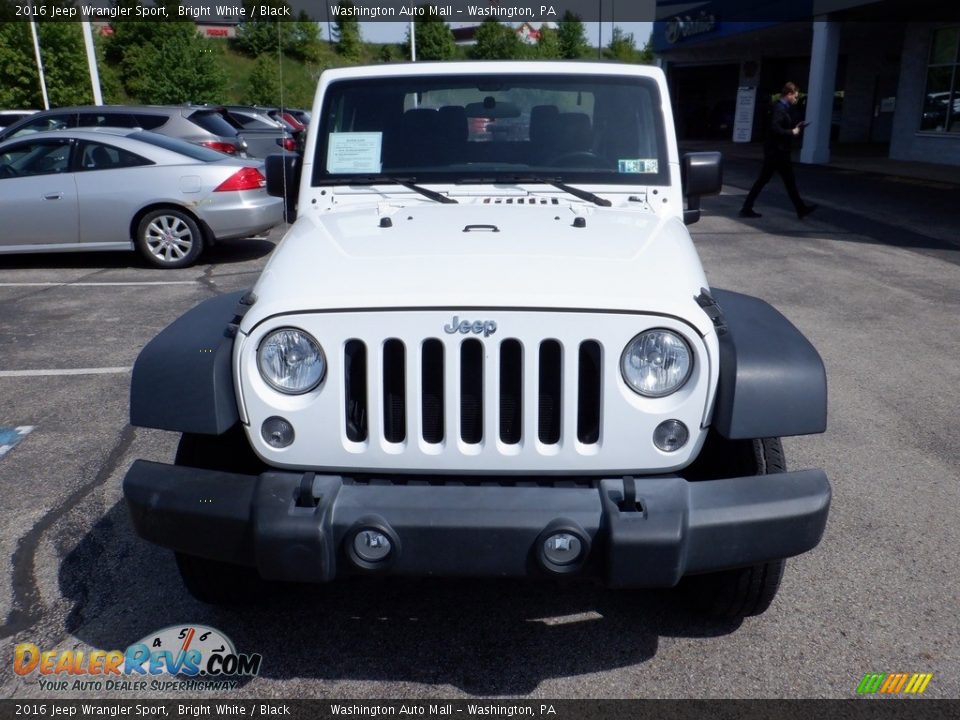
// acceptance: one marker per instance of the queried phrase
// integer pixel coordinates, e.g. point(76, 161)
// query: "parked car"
point(288, 119)
point(263, 134)
point(123, 189)
point(199, 124)
point(302, 115)
point(9, 117)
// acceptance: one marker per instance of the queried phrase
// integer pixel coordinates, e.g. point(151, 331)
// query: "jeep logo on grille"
point(487, 327)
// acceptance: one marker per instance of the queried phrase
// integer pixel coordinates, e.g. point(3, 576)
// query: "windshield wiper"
point(579, 192)
point(575, 191)
point(377, 179)
point(426, 192)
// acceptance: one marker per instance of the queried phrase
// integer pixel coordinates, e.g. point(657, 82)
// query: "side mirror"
point(283, 180)
point(701, 174)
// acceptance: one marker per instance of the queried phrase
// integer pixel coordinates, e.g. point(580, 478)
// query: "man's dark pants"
point(775, 162)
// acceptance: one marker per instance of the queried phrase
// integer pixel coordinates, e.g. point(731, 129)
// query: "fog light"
point(371, 545)
point(562, 548)
point(277, 432)
point(670, 435)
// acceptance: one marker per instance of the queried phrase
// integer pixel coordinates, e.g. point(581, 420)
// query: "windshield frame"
point(483, 173)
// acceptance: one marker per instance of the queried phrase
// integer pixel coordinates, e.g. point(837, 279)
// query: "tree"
point(128, 34)
point(64, 65)
point(305, 38)
point(548, 44)
point(347, 31)
point(263, 86)
point(622, 46)
point(176, 66)
point(572, 37)
point(260, 33)
point(646, 54)
point(434, 38)
point(496, 41)
point(387, 53)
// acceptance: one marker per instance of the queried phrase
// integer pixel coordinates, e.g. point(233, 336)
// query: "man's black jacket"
point(779, 138)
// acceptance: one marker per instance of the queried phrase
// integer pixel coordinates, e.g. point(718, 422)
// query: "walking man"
point(776, 154)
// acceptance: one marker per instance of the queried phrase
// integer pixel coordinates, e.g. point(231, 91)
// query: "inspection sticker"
point(638, 165)
point(10, 436)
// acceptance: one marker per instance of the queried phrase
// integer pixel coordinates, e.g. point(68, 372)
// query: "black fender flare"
point(772, 380)
point(183, 378)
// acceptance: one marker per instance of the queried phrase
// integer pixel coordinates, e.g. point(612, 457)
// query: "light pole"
point(36, 52)
point(600, 29)
point(92, 63)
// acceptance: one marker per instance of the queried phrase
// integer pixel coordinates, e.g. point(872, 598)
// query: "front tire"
point(741, 592)
point(169, 238)
point(212, 581)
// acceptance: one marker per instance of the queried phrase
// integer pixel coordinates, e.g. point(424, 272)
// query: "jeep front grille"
point(524, 392)
point(494, 378)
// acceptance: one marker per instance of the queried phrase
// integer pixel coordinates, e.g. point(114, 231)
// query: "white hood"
point(514, 256)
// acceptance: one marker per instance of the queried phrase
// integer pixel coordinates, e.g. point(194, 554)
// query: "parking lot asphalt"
point(878, 595)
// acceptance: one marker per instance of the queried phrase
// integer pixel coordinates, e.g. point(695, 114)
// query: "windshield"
point(575, 128)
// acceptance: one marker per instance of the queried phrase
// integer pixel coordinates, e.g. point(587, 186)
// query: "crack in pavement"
point(207, 280)
point(26, 609)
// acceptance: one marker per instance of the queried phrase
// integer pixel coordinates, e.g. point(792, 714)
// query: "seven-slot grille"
point(460, 384)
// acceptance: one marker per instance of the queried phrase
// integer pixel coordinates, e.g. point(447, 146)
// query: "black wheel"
point(741, 592)
point(169, 238)
point(213, 581)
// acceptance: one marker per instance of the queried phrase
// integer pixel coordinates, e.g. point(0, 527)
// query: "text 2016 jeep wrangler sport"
point(485, 347)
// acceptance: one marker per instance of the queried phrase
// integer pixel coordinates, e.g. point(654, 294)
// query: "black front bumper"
point(300, 527)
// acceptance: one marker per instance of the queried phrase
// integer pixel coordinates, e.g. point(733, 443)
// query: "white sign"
point(354, 152)
point(743, 116)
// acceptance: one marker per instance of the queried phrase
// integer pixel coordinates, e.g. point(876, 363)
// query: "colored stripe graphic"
point(922, 685)
point(894, 683)
point(870, 684)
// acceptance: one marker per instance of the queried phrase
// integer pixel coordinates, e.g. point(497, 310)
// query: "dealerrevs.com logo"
point(179, 657)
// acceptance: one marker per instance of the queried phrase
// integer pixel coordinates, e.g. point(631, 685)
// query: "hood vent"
point(521, 200)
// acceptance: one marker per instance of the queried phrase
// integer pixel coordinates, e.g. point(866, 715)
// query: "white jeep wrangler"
point(485, 347)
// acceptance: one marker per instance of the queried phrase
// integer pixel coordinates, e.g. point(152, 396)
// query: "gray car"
point(122, 189)
point(9, 117)
point(264, 135)
point(205, 125)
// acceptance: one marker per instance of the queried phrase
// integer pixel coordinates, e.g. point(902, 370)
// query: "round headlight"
point(291, 361)
point(656, 363)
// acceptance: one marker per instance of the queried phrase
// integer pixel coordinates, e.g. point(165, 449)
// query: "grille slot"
point(550, 386)
point(588, 393)
point(471, 391)
point(511, 392)
point(394, 392)
point(355, 389)
point(432, 390)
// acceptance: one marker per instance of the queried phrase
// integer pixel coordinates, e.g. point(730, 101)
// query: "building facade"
point(884, 73)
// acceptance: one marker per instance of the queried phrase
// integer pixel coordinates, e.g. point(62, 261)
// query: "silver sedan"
point(123, 189)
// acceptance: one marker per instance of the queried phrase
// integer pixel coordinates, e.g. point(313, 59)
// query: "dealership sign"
point(683, 27)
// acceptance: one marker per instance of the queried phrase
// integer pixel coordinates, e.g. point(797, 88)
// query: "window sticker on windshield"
point(642, 165)
point(354, 152)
